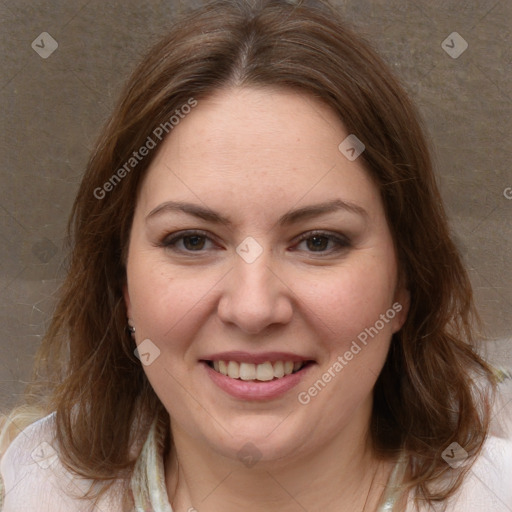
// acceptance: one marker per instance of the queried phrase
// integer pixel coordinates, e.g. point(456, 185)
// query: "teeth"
point(262, 372)
point(247, 371)
point(279, 369)
point(233, 370)
point(265, 371)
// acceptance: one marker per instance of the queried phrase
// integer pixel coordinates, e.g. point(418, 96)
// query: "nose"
point(255, 296)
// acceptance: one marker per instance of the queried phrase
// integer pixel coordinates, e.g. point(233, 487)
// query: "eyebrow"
point(290, 217)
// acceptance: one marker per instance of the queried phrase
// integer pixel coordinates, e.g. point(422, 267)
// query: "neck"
point(341, 476)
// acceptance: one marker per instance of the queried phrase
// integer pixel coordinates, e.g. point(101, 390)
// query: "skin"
point(252, 155)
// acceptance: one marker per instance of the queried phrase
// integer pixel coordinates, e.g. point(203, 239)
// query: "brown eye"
point(188, 242)
point(323, 243)
point(317, 243)
point(194, 242)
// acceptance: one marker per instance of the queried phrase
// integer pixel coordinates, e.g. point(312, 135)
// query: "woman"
point(264, 309)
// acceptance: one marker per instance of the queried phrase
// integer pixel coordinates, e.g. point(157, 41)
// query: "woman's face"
point(258, 248)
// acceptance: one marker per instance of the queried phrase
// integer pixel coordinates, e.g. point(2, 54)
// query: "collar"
point(148, 479)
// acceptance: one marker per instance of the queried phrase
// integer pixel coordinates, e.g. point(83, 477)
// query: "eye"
point(188, 241)
point(322, 242)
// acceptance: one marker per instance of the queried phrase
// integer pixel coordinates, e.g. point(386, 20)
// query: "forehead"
point(256, 146)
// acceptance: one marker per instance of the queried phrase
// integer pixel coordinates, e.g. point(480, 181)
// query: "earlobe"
point(401, 306)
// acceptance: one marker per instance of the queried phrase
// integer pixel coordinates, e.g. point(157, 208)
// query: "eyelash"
point(341, 241)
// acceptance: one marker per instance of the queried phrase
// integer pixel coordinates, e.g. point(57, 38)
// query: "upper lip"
point(259, 358)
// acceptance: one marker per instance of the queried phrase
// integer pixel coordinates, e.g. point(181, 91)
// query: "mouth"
point(262, 372)
point(256, 377)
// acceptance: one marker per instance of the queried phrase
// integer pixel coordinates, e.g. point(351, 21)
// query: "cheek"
point(348, 302)
point(345, 314)
point(170, 310)
point(167, 306)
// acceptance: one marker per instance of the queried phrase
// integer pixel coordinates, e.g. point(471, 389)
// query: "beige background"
point(52, 110)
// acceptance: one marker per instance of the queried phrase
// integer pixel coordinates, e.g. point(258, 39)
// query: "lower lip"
point(254, 390)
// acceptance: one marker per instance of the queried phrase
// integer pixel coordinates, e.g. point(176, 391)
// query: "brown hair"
point(425, 397)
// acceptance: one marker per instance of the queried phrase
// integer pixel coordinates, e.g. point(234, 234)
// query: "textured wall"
point(52, 109)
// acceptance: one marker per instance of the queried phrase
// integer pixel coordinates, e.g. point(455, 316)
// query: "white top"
point(35, 480)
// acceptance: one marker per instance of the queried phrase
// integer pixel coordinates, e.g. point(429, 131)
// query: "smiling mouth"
point(263, 372)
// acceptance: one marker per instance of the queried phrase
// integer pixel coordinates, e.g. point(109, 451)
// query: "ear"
point(401, 304)
point(127, 301)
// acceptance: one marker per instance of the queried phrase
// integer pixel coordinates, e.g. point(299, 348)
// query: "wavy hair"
point(428, 394)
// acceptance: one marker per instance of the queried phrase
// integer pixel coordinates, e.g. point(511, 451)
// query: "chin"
point(262, 439)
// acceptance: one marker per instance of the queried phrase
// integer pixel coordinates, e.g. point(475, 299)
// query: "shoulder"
point(34, 477)
point(488, 485)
